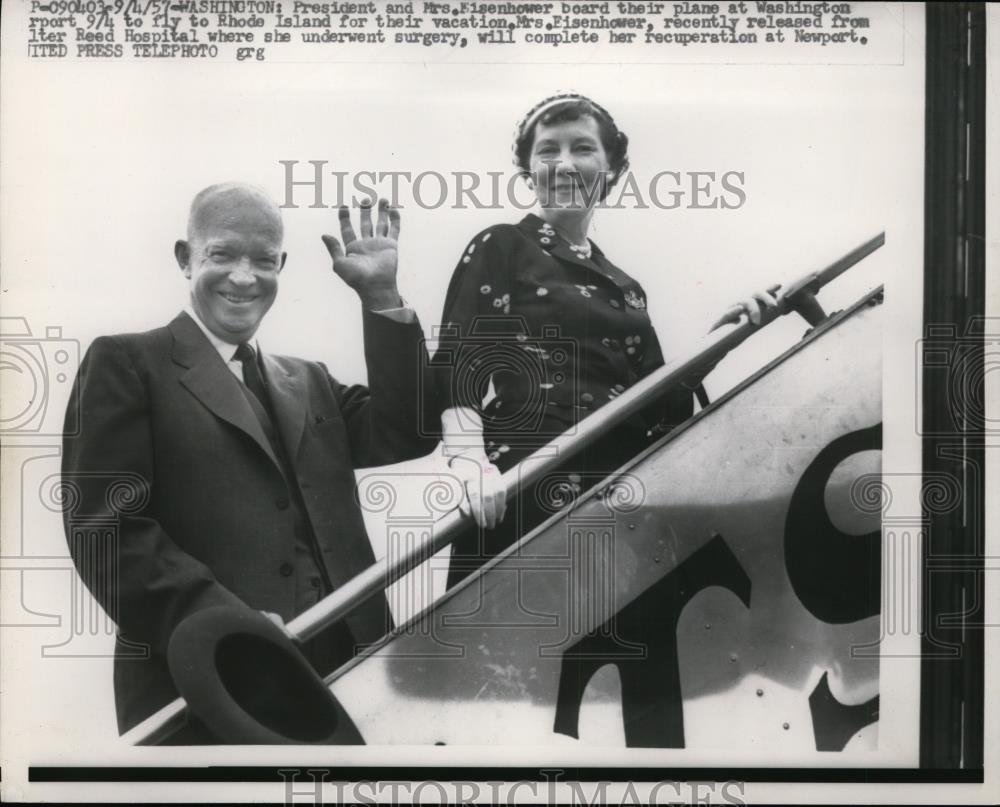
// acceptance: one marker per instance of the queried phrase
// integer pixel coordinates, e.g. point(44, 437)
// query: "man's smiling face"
point(232, 260)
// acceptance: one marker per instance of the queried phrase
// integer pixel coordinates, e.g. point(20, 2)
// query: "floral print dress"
point(536, 334)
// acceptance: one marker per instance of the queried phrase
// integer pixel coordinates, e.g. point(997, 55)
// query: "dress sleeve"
point(476, 310)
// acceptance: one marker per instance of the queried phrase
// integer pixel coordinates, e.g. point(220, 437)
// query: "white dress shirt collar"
point(225, 349)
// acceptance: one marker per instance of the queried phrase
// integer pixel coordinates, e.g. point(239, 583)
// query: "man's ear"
point(281, 265)
point(182, 252)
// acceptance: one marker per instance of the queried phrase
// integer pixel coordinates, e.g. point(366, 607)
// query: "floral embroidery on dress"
point(615, 391)
point(582, 251)
point(634, 300)
point(606, 338)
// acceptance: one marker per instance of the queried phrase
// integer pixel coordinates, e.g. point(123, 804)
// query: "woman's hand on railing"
point(483, 493)
point(753, 306)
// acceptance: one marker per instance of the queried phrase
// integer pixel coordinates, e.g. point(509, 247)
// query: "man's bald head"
point(220, 207)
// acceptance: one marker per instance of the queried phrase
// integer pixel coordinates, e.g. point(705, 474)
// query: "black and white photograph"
point(498, 402)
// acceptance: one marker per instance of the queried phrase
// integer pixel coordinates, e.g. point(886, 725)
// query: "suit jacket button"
point(281, 503)
point(286, 569)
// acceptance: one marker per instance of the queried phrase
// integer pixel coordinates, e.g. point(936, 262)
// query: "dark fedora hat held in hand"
point(244, 678)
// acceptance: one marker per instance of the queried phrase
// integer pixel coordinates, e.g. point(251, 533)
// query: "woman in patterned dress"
point(538, 316)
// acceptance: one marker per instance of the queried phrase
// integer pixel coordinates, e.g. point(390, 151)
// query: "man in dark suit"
point(227, 472)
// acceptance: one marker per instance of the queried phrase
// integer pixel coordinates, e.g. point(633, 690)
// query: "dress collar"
point(545, 235)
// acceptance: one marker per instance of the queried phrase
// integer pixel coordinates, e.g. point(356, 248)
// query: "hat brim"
point(248, 683)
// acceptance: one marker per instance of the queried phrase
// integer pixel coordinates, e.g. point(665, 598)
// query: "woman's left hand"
point(754, 307)
point(484, 495)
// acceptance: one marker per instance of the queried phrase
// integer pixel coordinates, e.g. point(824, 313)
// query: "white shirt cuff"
point(401, 313)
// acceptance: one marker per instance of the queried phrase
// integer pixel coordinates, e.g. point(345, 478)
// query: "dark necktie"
point(251, 372)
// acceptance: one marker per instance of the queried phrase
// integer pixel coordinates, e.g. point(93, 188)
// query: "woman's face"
point(569, 164)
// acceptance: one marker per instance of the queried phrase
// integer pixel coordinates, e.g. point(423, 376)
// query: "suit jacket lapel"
point(211, 382)
point(287, 402)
